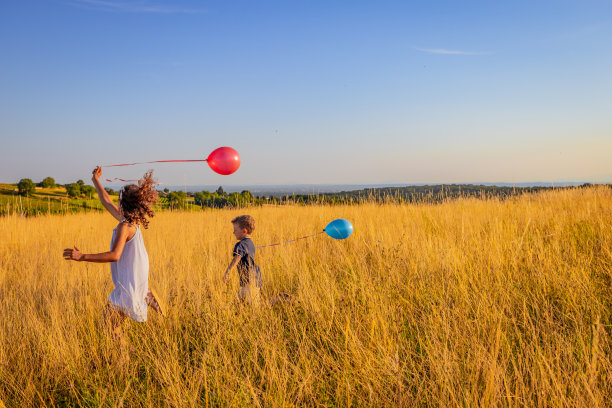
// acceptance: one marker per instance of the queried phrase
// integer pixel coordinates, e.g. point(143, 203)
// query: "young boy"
point(249, 273)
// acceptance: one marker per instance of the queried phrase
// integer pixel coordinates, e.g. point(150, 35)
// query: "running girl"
point(128, 256)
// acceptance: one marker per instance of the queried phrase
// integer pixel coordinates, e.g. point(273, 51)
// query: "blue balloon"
point(339, 229)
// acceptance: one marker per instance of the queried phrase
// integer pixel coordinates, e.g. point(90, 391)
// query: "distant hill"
point(56, 200)
point(430, 193)
point(281, 190)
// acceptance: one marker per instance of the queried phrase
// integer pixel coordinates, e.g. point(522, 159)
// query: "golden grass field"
point(465, 303)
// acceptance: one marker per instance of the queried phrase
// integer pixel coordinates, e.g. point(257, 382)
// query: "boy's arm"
point(229, 268)
point(112, 256)
point(103, 195)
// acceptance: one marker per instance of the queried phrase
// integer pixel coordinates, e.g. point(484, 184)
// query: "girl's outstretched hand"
point(73, 254)
point(96, 173)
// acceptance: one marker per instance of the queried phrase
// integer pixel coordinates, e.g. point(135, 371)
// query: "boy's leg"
point(243, 294)
point(153, 301)
point(255, 295)
point(249, 294)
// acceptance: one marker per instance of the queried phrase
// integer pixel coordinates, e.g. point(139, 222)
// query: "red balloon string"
point(132, 164)
point(118, 179)
point(158, 161)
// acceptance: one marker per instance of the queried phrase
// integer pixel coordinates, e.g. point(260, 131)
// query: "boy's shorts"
point(249, 294)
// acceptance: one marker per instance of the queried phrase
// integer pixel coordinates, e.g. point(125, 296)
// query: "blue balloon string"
point(292, 240)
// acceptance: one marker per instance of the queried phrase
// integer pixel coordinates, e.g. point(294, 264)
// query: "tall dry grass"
point(465, 303)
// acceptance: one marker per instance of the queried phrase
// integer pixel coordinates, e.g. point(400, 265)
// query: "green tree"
point(246, 194)
point(89, 191)
point(73, 190)
point(202, 198)
point(80, 182)
point(176, 199)
point(220, 192)
point(26, 187)
point(235, 199)
point(219, 202)
point(110, 191)
point(48, 182)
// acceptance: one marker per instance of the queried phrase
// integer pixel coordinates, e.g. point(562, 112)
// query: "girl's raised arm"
point(103, 195)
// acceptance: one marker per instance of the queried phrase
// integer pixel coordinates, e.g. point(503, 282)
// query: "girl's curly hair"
point(136, 201)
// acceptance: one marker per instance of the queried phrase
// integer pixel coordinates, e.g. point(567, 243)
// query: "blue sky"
point(308, 91)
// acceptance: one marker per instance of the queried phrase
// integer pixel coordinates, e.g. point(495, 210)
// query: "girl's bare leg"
point(114, 320)
point(155, 303)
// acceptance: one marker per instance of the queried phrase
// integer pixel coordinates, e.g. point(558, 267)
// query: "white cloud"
point(140, 6)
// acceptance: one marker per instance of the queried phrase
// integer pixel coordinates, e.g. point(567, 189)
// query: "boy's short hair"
point(245, 221)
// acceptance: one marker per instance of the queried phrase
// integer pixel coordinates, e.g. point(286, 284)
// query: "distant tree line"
point(432, 194)
point(27, 187)
point(80, 189)
point(216, 199)
point(411, 194)
point(221, 199)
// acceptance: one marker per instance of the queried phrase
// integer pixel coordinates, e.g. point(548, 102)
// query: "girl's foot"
point(155, 303)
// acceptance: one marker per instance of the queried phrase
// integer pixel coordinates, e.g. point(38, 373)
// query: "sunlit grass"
point(465, 303)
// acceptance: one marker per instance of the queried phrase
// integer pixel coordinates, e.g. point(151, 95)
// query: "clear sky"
point(308, 91)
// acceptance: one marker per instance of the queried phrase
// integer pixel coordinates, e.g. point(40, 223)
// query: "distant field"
point(43, 201)
point(471, 302)
point(47, 201)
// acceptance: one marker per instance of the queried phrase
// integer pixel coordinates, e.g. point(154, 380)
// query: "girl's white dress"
point(131, 278)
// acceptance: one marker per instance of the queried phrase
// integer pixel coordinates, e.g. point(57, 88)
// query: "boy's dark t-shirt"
point(246, 250)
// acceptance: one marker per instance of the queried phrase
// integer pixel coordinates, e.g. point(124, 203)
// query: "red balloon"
point(224, 160)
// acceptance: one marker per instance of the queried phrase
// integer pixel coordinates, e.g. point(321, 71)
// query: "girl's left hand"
point(73, 254)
